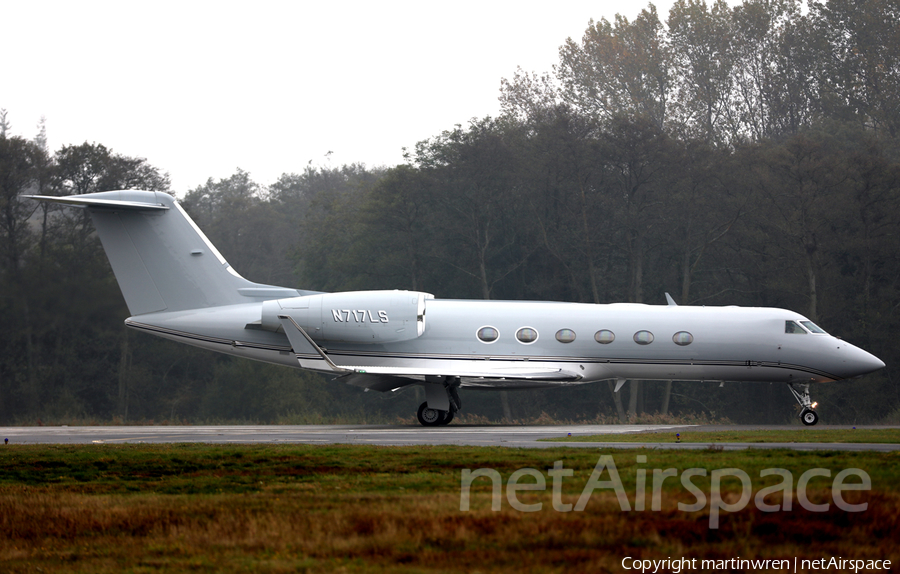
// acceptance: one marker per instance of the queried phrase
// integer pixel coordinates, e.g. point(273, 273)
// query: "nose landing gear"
point(808, 415)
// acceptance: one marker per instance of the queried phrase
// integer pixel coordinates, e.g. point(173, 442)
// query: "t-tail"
point(161, 259)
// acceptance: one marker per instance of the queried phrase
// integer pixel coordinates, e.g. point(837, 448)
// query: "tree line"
point(740, 155)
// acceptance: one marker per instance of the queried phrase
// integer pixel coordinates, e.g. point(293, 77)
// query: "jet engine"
point(353, 317)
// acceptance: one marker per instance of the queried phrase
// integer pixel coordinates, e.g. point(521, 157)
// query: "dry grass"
point(364, 509)
point(298, 532)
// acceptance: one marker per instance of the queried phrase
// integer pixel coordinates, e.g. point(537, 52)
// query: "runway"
point(396, 435)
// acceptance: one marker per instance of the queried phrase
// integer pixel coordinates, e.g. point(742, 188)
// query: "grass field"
point(888, 436)
point(203, 508)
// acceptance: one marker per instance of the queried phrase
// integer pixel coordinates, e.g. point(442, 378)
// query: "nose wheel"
point(808, 415)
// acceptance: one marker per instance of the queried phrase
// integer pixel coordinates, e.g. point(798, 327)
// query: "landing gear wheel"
point(801, 392)
point(430, 417)
point(809, 417)
point(448, 416)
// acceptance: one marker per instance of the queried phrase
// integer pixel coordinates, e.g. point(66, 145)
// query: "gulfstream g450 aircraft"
point(178, 286)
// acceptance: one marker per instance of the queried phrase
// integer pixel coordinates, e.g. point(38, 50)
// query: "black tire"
point(809, 417)
point(429, 417)
point(448, 416)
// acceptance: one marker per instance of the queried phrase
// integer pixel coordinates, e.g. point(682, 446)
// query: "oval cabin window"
point(604, 336)
point(643, 337)
point(565, 335)
point(526, 335)
point(683, 338)
point(488, 334)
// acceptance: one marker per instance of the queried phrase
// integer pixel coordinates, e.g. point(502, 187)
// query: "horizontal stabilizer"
point(84, 201)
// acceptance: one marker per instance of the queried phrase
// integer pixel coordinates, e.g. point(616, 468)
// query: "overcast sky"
point(203, 88)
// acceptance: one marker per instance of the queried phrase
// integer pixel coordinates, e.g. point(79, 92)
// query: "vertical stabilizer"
point(161, 259)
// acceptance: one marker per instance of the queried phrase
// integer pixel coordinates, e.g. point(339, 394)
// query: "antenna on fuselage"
point(671, 301)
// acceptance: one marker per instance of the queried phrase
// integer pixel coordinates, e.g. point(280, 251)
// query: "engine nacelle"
point(353, 317)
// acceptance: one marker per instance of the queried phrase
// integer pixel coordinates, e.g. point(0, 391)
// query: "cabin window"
point(565, 335)
point(488, 334)
point(793, 328)
point(683, 338)
point(527, 335)
point(643, 337)
point(813, 327)
point(604, 336)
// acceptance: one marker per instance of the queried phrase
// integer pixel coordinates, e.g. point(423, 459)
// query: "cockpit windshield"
point(813, 327)
point(793, 328)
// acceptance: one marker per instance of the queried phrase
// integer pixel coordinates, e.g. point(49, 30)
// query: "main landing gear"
point(433, 417)
point(808, 414)
point(440, 392)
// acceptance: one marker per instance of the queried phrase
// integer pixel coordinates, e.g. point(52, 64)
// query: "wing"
point(472, 372)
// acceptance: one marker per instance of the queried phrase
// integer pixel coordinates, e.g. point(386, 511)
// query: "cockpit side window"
point(793, 328)
point(813, 327)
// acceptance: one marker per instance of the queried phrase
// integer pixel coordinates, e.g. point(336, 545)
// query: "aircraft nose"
point(861, 362)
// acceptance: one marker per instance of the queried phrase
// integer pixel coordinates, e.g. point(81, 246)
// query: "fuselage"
point(585, 342)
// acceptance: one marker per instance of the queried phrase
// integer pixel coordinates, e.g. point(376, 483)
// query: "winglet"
point(671, 301)
point(303, 344)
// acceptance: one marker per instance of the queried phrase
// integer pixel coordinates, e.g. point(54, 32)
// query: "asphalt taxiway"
point(493, 435)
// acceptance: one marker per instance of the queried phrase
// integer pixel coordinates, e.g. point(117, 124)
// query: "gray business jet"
point(178, 286)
